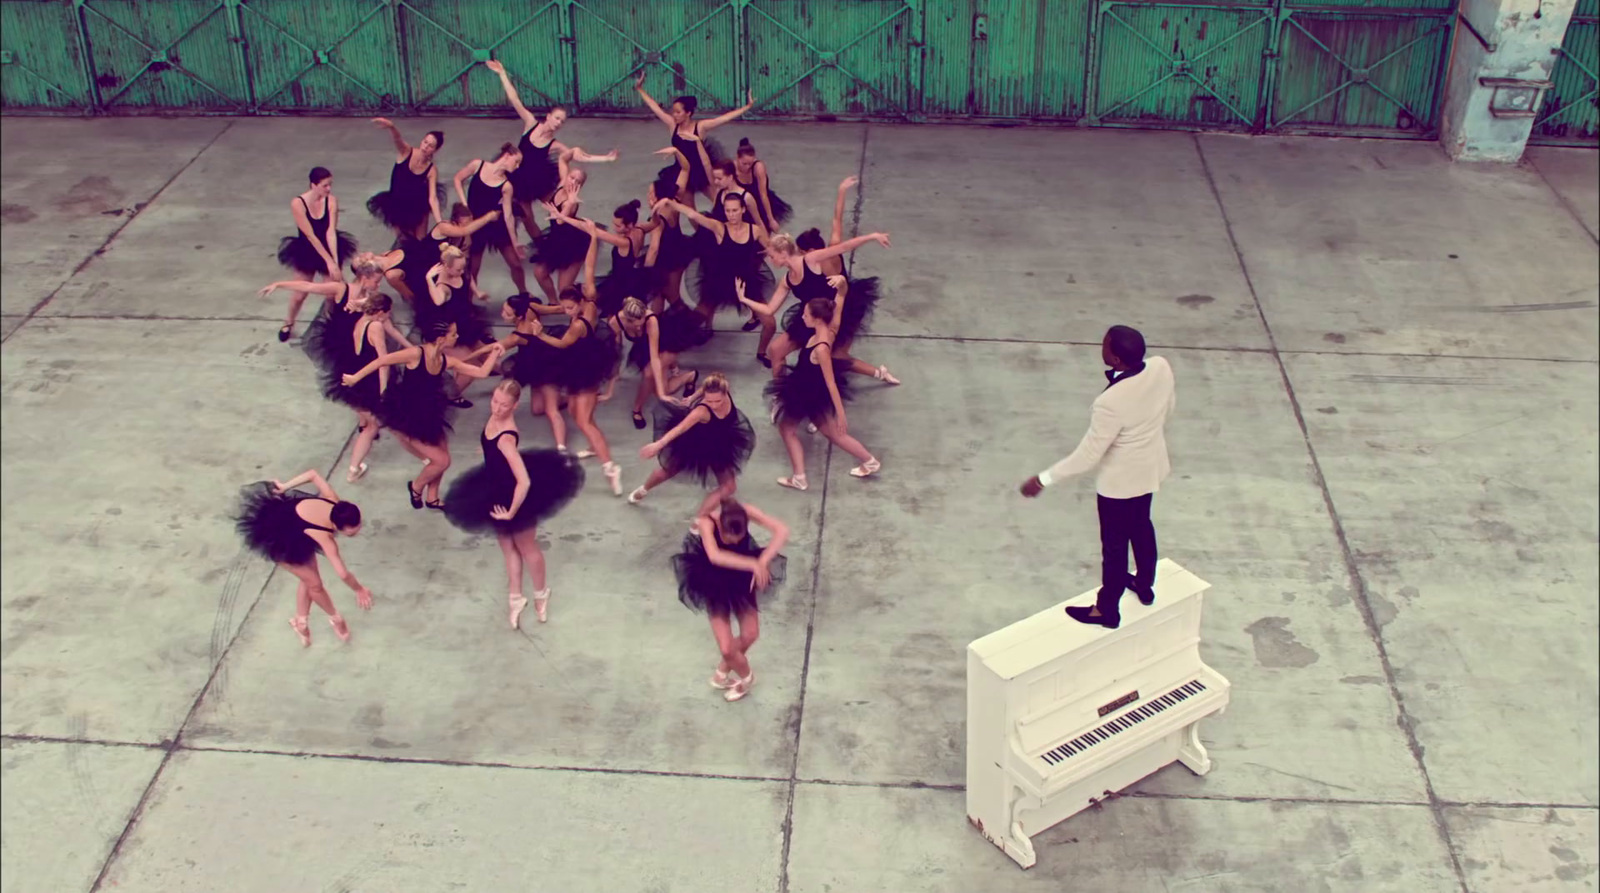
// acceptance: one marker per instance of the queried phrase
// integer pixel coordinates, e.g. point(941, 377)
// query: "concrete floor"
point(1385, 462)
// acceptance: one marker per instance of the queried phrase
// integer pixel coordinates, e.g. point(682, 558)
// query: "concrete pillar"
point(1504, 51)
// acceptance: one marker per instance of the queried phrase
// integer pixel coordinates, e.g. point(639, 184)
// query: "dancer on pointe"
point(701, 152)
point(491, 190)
point(709, 438)
point(658, 339)
point(417, 409)
point(414, 194)
point(584, 357)
point(510, 493)
point(310, 253)
point(290, 527)
point(814, 390)
point(722, 570)
point(536, 180)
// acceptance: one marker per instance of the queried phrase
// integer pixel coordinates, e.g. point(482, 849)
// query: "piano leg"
point(1192, 753)
point(1016, 843)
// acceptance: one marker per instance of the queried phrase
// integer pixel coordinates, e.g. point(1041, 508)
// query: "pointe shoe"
point(811, 427)
point(739, 688)
point(356, 473)
point(613, 473)
point(637, 496)
point(585, 454)
point(866, 469)
point(541, 603)
point(516, 604)
point(721, 681)
point(340, 628)
point(301, 629)
point(797, 482)
point(882, 374)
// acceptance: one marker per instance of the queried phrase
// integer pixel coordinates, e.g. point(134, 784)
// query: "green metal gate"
point(1570, 115)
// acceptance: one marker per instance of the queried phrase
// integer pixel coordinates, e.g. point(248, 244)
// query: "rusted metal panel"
point(42, 63)
point(685, 48)
point(822, 57)
point(1570, 115)
point(1349, 72)
point(321, 56)
point(1176, 64)
point(444, 43)
point(166, 54)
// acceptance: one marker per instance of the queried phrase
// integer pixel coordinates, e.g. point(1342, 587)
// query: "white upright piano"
point(1061, 715)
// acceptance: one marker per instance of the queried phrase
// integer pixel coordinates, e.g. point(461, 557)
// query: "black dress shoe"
point(1146, 594)
point(461, 403)
point(1084, 615)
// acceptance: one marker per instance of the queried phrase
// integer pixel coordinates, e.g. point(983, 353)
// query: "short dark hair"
point(1126, 343)
point(345, 515)
point(318, 174)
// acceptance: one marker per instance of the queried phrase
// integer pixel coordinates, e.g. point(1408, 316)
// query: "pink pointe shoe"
point(739, 688)
point(541, 603)
point(340, 628)
point(514, 614)
point(721, 680)
point(301, 629)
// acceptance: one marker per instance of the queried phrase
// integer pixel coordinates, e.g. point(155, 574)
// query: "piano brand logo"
point(1120, 703)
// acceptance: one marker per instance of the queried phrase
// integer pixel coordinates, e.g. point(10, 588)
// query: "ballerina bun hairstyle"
point(735, 520)
point(438, 328)
point(365, 265)
point(628, 213)
point(811, 240)
point(318, 174)
point(633, 308)
point(666, 184)
point(689, 103)
point(506, 149)
point(511, 388)
point(438, 138)
point(746, 150)
point(450, 253)
point(345, 515)
point(820, 308)
point(783, 243)
point(378, 303)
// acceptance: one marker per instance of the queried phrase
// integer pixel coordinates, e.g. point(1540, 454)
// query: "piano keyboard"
point(1121, 724)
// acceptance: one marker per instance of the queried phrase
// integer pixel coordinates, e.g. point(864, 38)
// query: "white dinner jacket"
point(1127, 438)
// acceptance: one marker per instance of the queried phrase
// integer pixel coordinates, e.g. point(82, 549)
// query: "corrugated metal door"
point(444, 41)
point(172, 54)
point(42, 65)
point(1571, 111)
point(1377, 70)
point(1006, 58)
point(685, 47)
point(834, 58)
point(307, 56)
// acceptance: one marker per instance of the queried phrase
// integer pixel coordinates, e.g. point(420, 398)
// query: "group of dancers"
point(567, 351)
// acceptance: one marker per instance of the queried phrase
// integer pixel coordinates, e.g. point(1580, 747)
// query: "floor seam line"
point(1562, 199)
point(1357, 582)
point(84, 264)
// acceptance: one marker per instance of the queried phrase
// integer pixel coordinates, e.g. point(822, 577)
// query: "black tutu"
point(800, 393)
point(536, 363)
point(559, 247)
point(631, 281)
point(554, 478)
point(491, 236)
point(703, 586)
point(677, 250)
point(706, 450)
point(781, 210)
point(473, 323)
point(859, 302)
point(297, 253)
point(589, 362)
point(699, 177)
point(271, 527)
point(720, 266)
point(682, 329)
point(416, 405)
point(536, 178)
point(328, 342)
point(406, 216)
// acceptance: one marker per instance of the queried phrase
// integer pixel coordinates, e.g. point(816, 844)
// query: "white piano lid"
point(1037, 640)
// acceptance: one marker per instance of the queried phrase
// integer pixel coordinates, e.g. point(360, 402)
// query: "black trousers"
point(1125, 522)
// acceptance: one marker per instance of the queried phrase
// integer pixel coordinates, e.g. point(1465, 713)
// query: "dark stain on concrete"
point(1192, 301)
point(1335, 337)
point(1276, 647)
point(1362, 680)
point(15, 213)
point(1383, 611)
point(91, 195)
point(370, 717)
point(1497, 531)
point(1328, 410)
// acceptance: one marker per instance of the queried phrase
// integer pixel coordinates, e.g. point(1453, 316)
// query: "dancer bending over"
point(414, 194)
point(710, 439)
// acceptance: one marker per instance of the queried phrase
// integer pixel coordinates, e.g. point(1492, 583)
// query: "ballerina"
point(670, 251)
point(657, 339)
point(627, 278)
point(722, 570)
point(413, 196)
point(417, 256)
point(750, 174)
point(736, 254)
point(587, 357)
point(491, 190)
point(709, 438)
point(510, 493)
point(310, 253)
point(289, 528)
point(416, 409)
point(450, 302)
point(700, 153)
point(814, 390)
point(561, 247)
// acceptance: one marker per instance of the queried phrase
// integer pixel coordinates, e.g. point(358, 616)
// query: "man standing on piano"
point(1127, 443)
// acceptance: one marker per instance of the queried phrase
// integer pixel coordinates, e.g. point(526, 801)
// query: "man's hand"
point(1031, 487)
